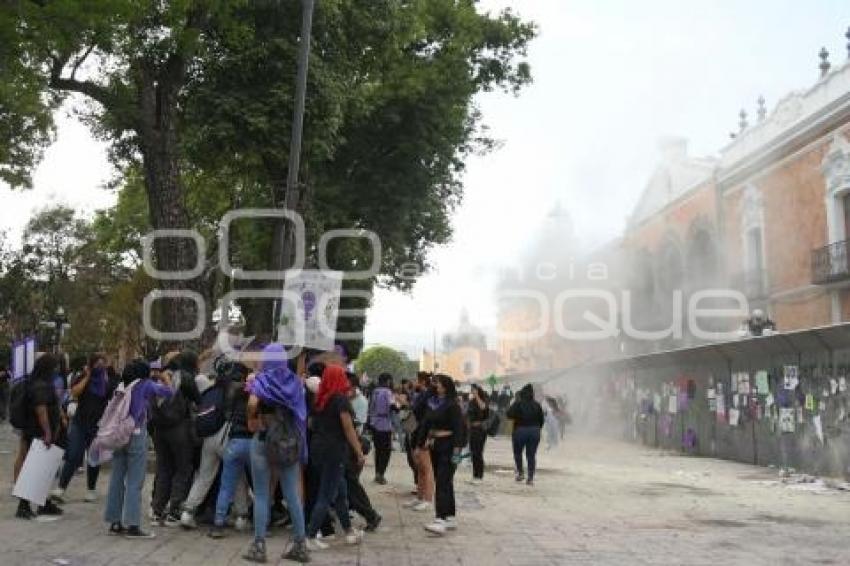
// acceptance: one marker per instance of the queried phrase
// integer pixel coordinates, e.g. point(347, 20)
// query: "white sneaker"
point(475, 481)
point(450, 523)
point(410, 504)
point(422, 506)
point(241, 524)
point(315, 544)
point(354, 537)
point(187, 520)
point(91, 496)
point(438, 527)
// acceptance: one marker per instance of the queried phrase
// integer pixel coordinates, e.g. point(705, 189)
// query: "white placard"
point(38, 472)
point(310, 309)
point(19, 361)
point(29, 347)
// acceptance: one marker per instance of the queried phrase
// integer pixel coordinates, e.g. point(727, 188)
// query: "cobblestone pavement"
point(596, 502)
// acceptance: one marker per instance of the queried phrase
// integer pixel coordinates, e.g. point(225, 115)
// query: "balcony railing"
point(752, 283)
point(829, 263)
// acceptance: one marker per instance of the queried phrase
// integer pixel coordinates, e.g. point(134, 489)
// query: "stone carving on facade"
point(836, 166)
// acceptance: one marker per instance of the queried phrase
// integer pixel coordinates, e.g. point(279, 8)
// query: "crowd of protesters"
point(260, 439)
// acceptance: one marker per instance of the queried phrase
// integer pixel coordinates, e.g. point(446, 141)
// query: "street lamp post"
point(58, 324)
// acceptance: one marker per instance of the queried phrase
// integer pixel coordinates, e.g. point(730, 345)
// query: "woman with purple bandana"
point(275, 387)
point(91, 388)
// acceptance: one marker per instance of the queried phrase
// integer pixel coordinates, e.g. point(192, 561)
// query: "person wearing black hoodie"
point(527, 415)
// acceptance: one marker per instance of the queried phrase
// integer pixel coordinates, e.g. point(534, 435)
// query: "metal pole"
point(282, 237)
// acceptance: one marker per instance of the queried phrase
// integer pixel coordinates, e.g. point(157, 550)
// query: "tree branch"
point(92, 90)
point(80, 60)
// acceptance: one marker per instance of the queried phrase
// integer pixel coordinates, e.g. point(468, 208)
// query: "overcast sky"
point(610, 78)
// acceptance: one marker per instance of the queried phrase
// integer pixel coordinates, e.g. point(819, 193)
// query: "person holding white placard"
point(42, 420)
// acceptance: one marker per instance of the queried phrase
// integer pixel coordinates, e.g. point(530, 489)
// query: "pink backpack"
point(115, 427)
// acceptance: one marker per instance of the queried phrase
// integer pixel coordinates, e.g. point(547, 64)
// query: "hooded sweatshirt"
point(526, 411)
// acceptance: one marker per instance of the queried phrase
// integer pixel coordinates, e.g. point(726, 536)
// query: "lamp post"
point(58, 324)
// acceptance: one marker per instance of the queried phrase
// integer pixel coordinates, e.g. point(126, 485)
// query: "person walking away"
point(5, 384)
point(550, 420)
point(478, 417)
point(173, 441)
point(222, 418)
point(333, 436)
point(276, 405)
point(35, 411)
point(421, 454)
point(443, 428)
point(129, 463)
point(91, 389)
point(358, 499)
point(527, 415)
point(380, 422)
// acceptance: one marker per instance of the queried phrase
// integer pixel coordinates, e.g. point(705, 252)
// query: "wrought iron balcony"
point(829, 263)
point(752, 283)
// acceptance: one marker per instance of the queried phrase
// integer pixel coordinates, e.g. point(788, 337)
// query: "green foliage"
point(382, 359)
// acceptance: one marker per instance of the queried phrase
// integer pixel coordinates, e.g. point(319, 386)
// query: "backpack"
point(210, 417)
point(18, 404)
point(283, 440)
point(115, 427)
point(493, 424)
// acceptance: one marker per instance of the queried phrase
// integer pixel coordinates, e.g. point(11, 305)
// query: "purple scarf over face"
point(276, 385)
point(97, 383)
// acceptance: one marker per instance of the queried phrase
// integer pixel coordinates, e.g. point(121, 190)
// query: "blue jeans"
point(124, 502)
point(526, 439)
point(290, 479)
point(237, 455)
point(80, 437)
point(332, 490)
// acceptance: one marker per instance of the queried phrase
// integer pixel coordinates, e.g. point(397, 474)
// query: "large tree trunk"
point(160, 151)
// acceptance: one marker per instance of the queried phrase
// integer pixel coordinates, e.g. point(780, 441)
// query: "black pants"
point(174, 451)
point(408, 449)
point(358, 499)
point(444, 477)
point(383, 450)
point(477, 439)
point(526, 439)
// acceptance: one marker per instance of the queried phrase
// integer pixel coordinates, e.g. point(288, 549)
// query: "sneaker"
point(410, 504)
point(373, 525)
point(256, 552)
point(315, 544)
point(216, 532)
point(353, 537)
point(171, 520)
point(24, 511)
point(422, 506)
point(330, 536)
point(158, 518)
point(438, 527)
point(117, 529)
point(91, 496)
point(529, 482)
point(450, 523)
point(152, 514)
point(187, 520)
point(519, 476)
point(50, 508)
point(242, 523)
point(58, 495)
point(298, 553)
point(137, 533)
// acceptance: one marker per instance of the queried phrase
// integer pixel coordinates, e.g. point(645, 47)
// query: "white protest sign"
point(38, 472)
point(310, 309)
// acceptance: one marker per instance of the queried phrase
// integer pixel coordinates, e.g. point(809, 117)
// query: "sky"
point(610, 78)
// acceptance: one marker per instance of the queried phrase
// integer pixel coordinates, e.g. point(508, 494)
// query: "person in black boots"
point(443, 429)
point(358, 499)
point(41, 420)
point(527, 415)
point(477, 416)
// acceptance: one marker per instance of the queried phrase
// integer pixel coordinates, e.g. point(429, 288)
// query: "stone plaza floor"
point(596, 501)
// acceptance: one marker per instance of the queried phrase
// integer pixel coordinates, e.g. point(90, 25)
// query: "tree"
point(382, 359)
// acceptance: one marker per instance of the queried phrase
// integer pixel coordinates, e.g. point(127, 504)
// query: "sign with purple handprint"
point(310, 309)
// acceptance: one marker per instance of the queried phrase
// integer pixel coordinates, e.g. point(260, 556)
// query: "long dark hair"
point(137, 369)
point(45, 367)
point(481, 393)
point(448, 384)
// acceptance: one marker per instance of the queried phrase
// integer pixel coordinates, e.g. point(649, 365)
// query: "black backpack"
point(283, 441)
point(210, 417)
point(18, 404)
